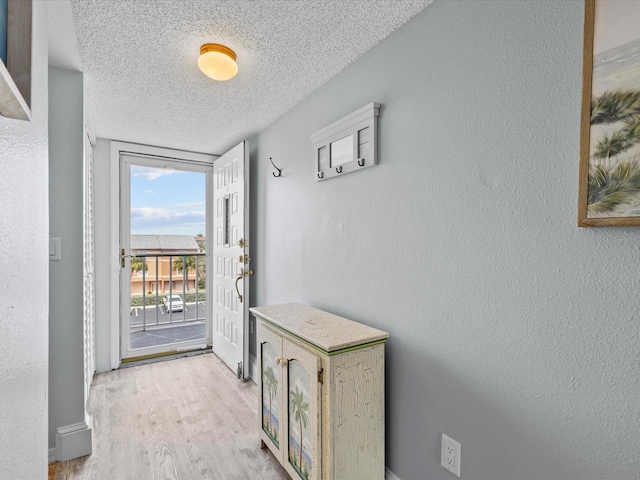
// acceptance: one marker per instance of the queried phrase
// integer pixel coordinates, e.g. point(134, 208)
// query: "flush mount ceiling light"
point(217, 61)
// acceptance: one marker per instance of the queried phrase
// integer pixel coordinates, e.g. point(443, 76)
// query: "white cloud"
point(150, 220)
point(149, 213)
point(151, 173)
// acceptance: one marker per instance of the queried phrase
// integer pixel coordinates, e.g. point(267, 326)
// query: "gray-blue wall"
point(66, 141)
point(512, 331)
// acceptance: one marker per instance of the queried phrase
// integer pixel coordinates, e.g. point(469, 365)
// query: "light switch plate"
point(55, 249)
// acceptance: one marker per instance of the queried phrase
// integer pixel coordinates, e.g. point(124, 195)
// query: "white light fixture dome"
point(217, 61)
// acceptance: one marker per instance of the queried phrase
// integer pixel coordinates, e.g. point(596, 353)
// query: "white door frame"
point(116, 149)
point(127, 160)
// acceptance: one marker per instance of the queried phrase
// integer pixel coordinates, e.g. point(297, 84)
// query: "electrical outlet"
point(450, 456)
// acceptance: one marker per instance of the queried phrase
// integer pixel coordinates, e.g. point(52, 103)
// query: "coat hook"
point(361, 160)
point(320, 175)
point(274, 166)
point(339, 169)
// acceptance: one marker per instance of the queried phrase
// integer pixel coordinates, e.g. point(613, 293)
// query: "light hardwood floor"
point(182, 419)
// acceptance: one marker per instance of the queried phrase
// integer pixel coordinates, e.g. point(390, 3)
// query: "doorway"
point(165, 220)
point(219, 271)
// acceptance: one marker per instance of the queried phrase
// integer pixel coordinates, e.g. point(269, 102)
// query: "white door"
point(152, 273)
point(231, 258)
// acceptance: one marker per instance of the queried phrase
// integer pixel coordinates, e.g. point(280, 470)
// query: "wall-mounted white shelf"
point(15, 77)
point(347, 145)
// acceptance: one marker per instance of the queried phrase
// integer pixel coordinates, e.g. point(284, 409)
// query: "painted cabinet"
point(321, 393)
point(290, 401)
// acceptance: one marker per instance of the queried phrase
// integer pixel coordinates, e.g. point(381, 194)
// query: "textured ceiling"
point(143, 84)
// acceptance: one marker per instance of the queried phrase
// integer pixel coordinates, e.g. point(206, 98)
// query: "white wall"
point(66, 156)
point(512, 331)
point(24, 283)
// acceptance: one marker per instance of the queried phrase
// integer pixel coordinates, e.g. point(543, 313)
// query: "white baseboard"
point(73, 441)
point(389, 475)
point(253, 368)
point(52, 455)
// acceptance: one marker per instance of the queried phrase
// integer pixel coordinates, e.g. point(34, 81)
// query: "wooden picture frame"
point(4, 10)
point(15, 76)
point(609, 174)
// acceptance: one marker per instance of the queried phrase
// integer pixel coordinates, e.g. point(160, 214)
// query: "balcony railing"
point(150, 308)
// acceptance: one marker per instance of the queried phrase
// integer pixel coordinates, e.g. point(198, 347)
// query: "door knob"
point(237, 280)
point(243, 274)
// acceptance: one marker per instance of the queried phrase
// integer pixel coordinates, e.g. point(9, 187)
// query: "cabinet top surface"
point(325, 330)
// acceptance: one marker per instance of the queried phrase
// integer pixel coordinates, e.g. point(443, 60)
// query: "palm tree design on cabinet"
point(271, 384)
point(300, 415)
point(299, 410)
point(270, 401)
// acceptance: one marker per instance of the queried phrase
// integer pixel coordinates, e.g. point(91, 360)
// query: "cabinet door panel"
point(271, 385)
point(303, 412)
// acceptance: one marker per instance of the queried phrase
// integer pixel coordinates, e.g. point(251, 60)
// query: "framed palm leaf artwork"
point(609, 183)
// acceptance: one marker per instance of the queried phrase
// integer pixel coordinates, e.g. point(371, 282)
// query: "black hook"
point(339, 169)
point(361, 164)
point(274, 166)
point(320, 175)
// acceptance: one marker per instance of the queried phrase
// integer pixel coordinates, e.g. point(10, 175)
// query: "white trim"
point(114, 257)
point(73, 441)
point(150, 151)
point(389, 475)
point(91, 133)
point(52, 455)
point(345, 123)
point(88, 122)
point(187, 160)
point(246, 318)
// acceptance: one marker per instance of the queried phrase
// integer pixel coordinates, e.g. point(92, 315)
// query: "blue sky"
point(167, 202)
